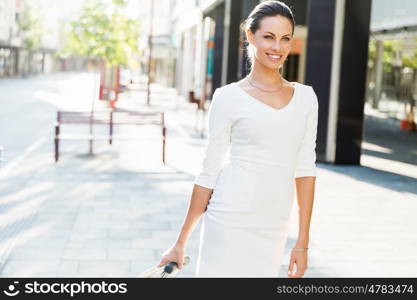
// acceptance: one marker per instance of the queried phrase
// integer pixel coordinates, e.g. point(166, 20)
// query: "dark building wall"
point(319, 62)
point(351, 78)
point(352, 82)
point(299, 9)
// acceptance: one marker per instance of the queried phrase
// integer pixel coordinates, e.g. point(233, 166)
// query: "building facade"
point(392, 70)
point(162, 63)
point(16, 59)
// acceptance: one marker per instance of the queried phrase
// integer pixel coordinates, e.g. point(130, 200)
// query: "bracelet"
point(300, 249)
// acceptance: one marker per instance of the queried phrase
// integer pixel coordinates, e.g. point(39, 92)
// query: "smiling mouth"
point(274, 57)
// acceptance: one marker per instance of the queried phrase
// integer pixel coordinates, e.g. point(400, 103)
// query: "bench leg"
point(57, 130)
point(90, 143)
point(163, 144)
point(111, 132)
point(56, 150)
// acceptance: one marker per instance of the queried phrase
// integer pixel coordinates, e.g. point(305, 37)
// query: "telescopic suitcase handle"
point(171, 266)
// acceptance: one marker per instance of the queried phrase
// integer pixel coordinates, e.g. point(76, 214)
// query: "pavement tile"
point(103, 268)
point(129, 254)
point(30, 268)
point(84, 254)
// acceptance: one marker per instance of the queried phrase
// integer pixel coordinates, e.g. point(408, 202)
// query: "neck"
point(262, 74)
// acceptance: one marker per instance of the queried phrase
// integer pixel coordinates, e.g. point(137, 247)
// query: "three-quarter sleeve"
point(218, 142)
point(306, 158)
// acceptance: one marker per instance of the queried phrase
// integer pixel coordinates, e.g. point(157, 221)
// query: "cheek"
point(262, 46)
point(287, 46)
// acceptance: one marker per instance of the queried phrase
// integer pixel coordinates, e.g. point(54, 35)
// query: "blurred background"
point(74, 203)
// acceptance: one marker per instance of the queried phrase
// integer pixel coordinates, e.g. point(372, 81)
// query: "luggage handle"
point(172, 266)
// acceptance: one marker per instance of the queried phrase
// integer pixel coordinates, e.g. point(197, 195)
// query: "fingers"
point(163, 262)
point(295, 274)
point(160, 264)
point(172, 256)
point(291, 267)
point(180, 263)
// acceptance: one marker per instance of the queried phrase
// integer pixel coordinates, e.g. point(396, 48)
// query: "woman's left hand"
point(300, 259)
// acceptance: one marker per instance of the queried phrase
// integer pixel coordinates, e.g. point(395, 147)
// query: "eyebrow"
point(274, 34)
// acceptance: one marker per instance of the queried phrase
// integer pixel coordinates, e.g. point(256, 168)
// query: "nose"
point(276, 46)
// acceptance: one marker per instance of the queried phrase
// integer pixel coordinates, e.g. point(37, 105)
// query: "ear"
point(249, 36)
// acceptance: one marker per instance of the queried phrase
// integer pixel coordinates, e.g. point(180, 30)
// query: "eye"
point(287, 38)
point(267, 36)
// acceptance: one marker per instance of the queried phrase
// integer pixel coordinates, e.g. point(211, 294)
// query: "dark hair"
point(270, 8)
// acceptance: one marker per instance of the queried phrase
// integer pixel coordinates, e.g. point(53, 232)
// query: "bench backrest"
point(110, 117)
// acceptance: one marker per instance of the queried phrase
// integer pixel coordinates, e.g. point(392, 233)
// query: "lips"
point(274, 57)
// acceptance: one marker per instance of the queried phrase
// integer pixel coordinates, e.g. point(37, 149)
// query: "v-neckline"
point(267, 105)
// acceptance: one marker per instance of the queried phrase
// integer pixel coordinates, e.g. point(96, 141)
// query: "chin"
point(275, 67)
point(272, 66)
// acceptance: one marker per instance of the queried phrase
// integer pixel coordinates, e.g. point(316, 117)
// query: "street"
point(114, 213)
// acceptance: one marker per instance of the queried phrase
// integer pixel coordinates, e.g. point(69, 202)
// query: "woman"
point(270, 126)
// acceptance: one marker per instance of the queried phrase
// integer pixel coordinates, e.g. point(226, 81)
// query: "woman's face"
point(272, 41)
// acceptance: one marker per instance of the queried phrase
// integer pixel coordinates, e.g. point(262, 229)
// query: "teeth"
point(274, 56)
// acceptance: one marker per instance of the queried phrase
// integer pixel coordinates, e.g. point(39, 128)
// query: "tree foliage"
point(411, 60)
point(30, 26)
point(103, 32)
point(390, 47)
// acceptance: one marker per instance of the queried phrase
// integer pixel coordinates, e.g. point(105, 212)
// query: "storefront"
point(8, 61)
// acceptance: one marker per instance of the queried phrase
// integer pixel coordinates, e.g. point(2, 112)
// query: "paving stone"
point(129, 254)
point(30, 268)
point(84, 254)
point(103, 268)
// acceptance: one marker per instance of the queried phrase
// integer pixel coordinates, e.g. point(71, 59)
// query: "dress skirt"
point(238, 252)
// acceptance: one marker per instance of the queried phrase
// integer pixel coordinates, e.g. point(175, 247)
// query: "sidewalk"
point(113, 214)
point(108, 215)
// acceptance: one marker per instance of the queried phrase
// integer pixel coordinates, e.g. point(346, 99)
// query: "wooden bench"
point(110, 119)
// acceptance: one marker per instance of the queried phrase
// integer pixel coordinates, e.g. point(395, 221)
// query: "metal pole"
point(92, 109)
point(150, 54)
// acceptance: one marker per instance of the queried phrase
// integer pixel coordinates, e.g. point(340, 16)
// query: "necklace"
point(281, 85)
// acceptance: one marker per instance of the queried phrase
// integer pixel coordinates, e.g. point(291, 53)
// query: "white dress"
point(245, 227)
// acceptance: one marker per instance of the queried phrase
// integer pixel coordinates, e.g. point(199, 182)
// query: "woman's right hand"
point(175, 253)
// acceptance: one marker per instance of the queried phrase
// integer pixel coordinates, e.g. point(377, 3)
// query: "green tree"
point(389, 54)
point(30, 27)
point(390, 47)
point(103, 32)
point(411, 60)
